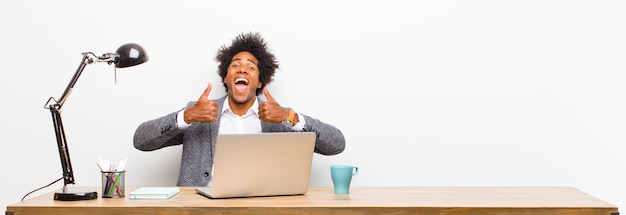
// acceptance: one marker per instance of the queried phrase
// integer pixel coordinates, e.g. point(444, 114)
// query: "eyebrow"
point(248, 60)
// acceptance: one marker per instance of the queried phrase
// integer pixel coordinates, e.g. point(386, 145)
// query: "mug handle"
point(355, 170)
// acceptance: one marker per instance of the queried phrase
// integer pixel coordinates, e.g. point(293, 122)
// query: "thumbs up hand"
point(204, 110)
point(270, 111)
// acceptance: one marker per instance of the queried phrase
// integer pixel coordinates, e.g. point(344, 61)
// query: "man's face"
point(242, 78)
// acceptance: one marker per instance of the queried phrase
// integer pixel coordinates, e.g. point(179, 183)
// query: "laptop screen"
point(262, 164)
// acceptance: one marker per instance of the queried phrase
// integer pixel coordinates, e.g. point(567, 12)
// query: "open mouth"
point(241, 84)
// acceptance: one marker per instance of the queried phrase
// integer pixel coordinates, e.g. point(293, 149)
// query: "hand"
point(270, 111)
point(204, 110)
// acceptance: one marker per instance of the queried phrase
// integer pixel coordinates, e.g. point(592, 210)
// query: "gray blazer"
point(198, 141)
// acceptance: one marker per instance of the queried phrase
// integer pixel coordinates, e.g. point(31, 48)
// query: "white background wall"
point(427, 93)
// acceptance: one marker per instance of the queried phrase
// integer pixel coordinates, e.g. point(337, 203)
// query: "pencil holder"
point(113, 184)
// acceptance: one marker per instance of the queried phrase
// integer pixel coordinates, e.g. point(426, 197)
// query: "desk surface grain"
point(361, 200)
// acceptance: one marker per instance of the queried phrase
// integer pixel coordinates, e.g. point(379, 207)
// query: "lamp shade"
point(130, 54)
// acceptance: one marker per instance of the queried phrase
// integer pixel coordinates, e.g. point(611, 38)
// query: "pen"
point(114, 185)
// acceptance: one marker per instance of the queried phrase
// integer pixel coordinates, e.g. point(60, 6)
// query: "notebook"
point(154, 193)
point(262, 164)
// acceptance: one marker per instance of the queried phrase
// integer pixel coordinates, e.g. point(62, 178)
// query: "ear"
point(259, 85)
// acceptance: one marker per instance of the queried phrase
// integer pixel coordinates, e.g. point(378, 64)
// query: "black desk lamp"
point(126, 55)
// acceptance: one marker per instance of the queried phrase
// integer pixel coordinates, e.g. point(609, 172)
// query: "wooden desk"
point(362, 200)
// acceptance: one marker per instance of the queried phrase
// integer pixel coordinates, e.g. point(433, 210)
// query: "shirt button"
point(206, 174)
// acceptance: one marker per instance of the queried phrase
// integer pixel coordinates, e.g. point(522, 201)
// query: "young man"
point(246, 68)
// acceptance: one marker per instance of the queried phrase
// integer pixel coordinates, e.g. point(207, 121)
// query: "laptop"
point(262, 164)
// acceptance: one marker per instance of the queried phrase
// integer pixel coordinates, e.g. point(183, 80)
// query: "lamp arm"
point(64, 153)
point(55, 110)
point(86, 60)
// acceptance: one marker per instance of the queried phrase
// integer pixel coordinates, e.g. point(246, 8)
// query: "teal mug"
point(342, 176)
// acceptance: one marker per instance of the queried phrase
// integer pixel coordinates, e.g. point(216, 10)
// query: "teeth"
point(241, 79)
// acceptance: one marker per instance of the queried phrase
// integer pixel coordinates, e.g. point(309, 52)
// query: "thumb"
point(267, 95)
point(206, 92)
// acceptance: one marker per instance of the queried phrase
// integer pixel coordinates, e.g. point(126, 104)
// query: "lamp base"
point(75, 195)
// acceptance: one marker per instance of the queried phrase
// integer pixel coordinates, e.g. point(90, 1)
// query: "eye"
point(234, 65)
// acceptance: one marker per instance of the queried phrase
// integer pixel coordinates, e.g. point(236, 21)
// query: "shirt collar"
point(254, 109)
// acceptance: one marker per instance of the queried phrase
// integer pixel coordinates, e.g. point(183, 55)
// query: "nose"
point(242, 70)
